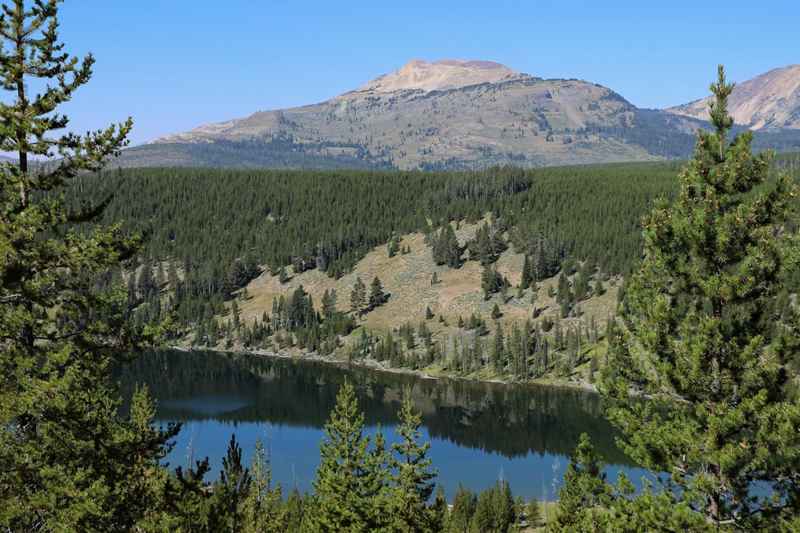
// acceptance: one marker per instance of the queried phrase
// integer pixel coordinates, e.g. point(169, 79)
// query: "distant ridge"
point(446, 114)
point(768, 101)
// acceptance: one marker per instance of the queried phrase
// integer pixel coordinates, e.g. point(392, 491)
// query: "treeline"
point(208, 232)
point(218, 227)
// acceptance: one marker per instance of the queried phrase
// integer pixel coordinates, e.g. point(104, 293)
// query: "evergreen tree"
point(491, 282)
point(439, 510)
point(446, 250)
point(464, 504)
point(349, 488)
point(527, 278)
point(700, 341)
point(230, 491)
point(584, 492)
point(66, 456)
point(413, 475)
point(483, 517)
point(376, 295)
point(496, 313)
point(262, 508)
point(499, 349)
point(358, 297)
point(428, 313)
point(295, 511)
point(329, 304)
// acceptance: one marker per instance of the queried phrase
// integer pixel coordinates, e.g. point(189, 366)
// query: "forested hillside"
point(273, 259)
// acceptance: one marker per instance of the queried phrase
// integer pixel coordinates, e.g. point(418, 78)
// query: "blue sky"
point(174, 64)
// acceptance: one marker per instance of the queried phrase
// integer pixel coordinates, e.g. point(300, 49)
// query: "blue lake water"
point(479, 432)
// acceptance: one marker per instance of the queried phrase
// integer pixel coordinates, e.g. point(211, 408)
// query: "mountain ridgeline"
point(450, 115)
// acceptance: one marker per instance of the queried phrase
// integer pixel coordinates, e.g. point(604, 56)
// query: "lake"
point(479, 432)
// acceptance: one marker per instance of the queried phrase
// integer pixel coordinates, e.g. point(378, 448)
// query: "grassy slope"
point(406, 277)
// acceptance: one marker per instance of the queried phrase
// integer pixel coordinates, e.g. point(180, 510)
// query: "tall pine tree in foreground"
point(413, 476)
point(68, 462)
point(350, 486)
point(702, 341)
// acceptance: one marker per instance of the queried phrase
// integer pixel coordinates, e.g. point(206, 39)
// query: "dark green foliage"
point(358, 297)
point(492, 282)
point(350, 485)
point(445, 247)
point(528, 274)
point(296, 509)
point(700, 337)
point(412, 477)
point(585, 491)
point(230, 491)
point(188, 213)
point(376, 295)
point(262, 510)
point(487, 245)
point(394, 246)
point(68, 460)
point(464, 504)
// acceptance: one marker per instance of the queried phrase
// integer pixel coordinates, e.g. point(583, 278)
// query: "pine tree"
point(483, 517)
point(700, 341)
point(584, 492)
point(295, 512)
point(262, 508)
point(496, 313)
point(526, 274)
point(358, 297)
point(464, 504)
point(376, 295)
point(236, 315)
point(65, 453)
point(413, 475)
point(329, 299)
point(349, 488)
point(230, 490)
point(428, 313)
point(439, 510)
point(499, 349)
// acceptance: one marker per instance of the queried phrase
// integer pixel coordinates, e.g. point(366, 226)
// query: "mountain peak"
point(770, 100)
point(436, 75)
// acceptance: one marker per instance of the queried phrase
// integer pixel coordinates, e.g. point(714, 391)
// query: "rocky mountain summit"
point(456, 114)
point(768, 101)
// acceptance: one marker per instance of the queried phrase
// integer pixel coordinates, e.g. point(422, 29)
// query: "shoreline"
point(377, 366)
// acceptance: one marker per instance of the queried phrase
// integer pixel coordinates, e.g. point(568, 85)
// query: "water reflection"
point(288, 402)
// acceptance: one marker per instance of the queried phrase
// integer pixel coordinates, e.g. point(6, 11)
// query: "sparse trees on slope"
point(700, 339)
